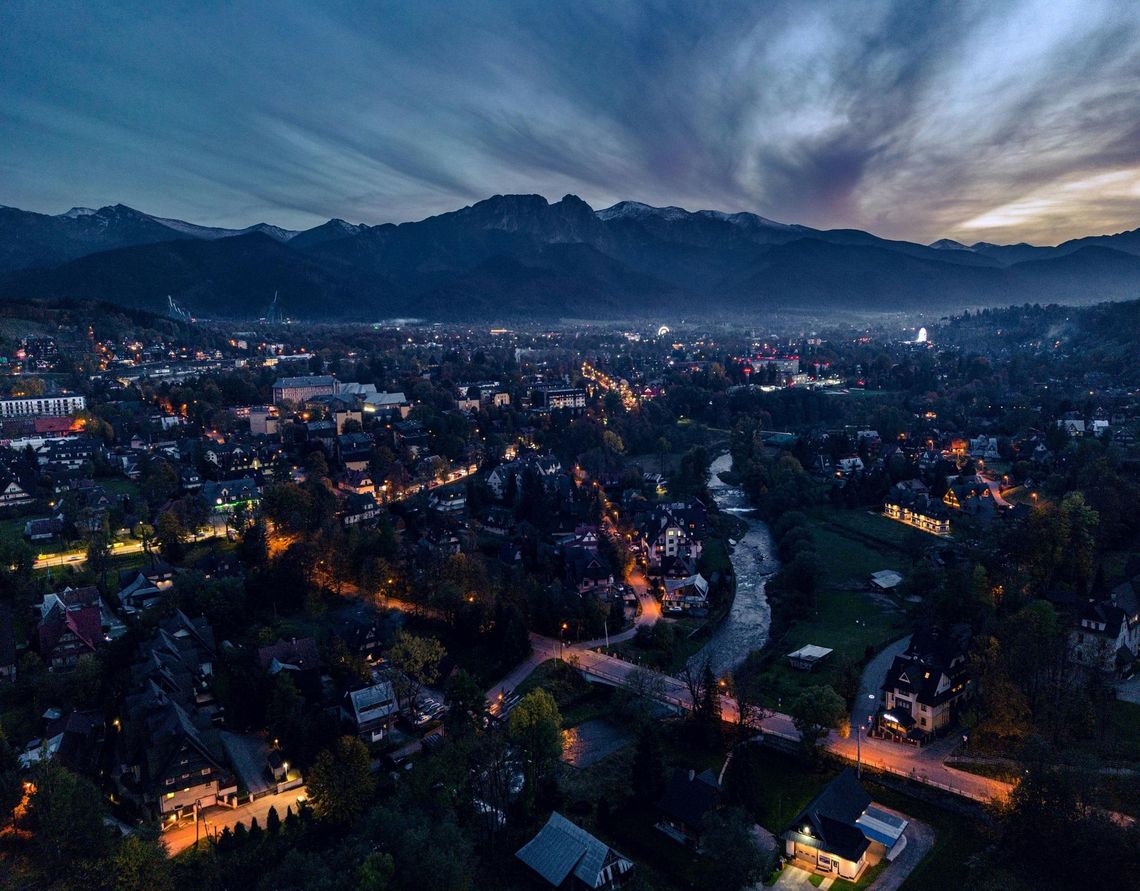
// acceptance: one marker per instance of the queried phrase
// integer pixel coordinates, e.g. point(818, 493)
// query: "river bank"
point(746, 626)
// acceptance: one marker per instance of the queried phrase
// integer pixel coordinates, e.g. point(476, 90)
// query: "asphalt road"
point(215, 819)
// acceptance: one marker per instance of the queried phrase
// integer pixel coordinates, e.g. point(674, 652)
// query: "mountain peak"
point(76, 212)
point(948, 244)
point(635, 210)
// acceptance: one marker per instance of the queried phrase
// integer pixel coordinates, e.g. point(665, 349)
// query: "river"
point(745, 628)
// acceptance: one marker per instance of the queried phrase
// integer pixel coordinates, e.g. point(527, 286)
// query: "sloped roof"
point(832, 814)
point(85, 623)
point(562, 848)
point(688, 799)
point(300, 654)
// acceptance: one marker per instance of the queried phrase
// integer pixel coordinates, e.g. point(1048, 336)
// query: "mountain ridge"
point(513, 255)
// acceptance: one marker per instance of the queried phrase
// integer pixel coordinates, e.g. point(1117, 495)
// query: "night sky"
point(996, 121)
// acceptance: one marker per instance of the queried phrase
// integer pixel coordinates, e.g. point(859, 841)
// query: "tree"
point(99, 555)
point(416, 660)
point(170, 534)
point(815, 711)
point(468, 706)
point(732, 857)
point(145, 533)
point(341, 782)
point(66, 817)
point(375, 872)
point(648, 779)
point(536, 728)
point(141, 864)
point(272, 821)
point(11, 786)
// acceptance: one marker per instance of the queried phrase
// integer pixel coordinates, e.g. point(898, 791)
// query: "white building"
point(40, 406)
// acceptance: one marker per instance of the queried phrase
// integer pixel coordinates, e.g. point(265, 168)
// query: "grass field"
point(850, 546)
point(845, 621)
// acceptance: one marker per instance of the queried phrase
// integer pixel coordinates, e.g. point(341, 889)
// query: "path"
point(919, 841)
point(921, 765)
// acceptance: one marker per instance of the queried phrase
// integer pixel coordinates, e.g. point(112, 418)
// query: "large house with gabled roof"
point(566, 856)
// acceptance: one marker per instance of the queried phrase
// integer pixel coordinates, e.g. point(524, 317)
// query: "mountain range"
point(520, 256)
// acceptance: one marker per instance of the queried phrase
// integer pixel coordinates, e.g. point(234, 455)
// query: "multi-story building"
point(33, 406)
point(926, 686)
point(299, 389)
point(557, 397)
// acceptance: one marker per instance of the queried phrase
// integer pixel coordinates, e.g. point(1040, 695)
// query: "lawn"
point(865, 881)
point(846, 618)
point(856, 544)
point(959, 858)
point(780, 786)
point(846, 621)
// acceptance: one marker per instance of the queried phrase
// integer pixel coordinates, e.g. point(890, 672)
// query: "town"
point(700, 605)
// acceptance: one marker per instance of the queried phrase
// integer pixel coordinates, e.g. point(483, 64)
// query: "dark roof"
point(299, 652)
point(831, 817)
point(689, 796)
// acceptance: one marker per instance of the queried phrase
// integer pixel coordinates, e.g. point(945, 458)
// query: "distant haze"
point(978, 121)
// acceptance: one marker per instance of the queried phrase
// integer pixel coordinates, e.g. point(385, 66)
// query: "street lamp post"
point(859, 742)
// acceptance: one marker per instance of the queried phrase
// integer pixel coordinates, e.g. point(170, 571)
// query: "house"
point(299, 656)
point(683, 595)
point(43, 529)
point(74, 740)
point(566, 856)
point(841, 831)
point(357, 509)
point(558, 397)
point(358, 482)
point(1105, 638)
point(354, 450)
point(67, 634)
point(917, 510)
point(227, 495)
point(824, 836)
point(586, 570)
point(371, 710)
point(688, 799)
point(140, 589)
point(12, 492)
point(361, 631)
point(885, 580)
point(807, 657)
point(674, 530)
point(926, 686)
point(546, 466)
point(171, 760)
point(450, 502)
point(387, 407)
point(70, 599)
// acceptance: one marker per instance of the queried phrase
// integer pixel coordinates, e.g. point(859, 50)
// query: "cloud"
point(916, 120)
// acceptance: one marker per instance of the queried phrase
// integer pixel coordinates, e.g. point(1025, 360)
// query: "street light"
point(859, 741)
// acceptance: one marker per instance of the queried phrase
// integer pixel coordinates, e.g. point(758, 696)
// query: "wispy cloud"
point(916, 120)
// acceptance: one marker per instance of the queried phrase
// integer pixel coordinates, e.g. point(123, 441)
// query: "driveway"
point(872, 681)
point(215, 819)
point(919, 840)
point(792, 877)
